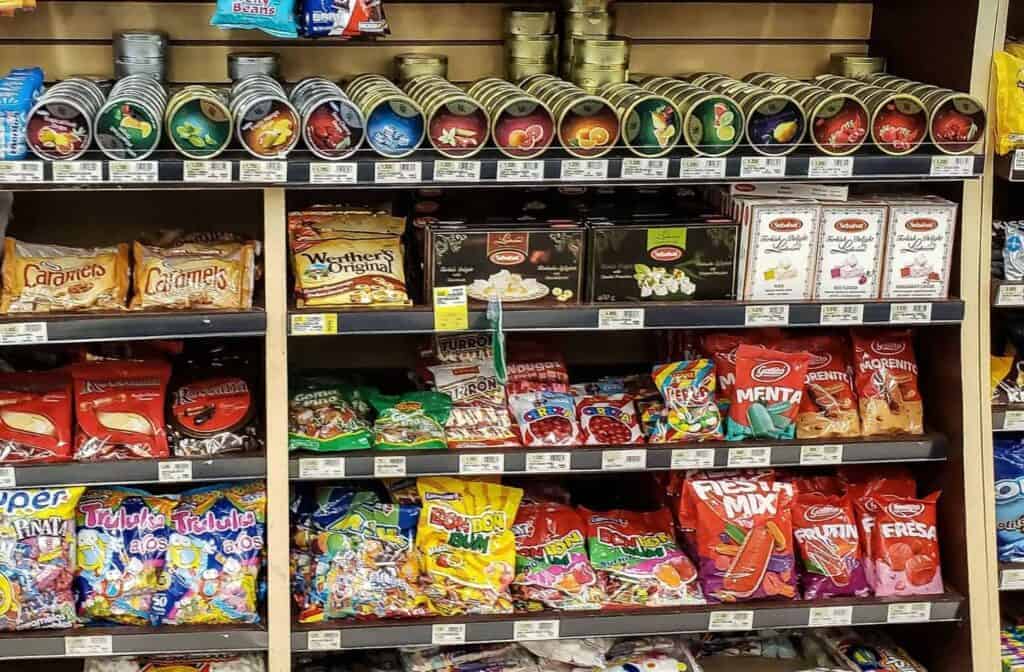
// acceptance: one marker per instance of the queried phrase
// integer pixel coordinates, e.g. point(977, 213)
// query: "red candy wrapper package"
point(479, 416)
point(546, 418)
point(35, 417)
point(829, 406)
point(904, 545)
point(534, 369)
point(767, 394)
point(826, 533)
point(720, 347)
point(890, 401)
point(744, 538)
point(608, 420)
point(860, 482)
point(120, 409)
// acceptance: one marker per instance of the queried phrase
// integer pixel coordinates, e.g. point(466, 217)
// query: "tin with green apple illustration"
point(198, 122)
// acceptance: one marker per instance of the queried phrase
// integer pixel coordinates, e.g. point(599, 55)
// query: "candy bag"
point(412, 420)
point(890, 401)
point(636, 557)
point(355, 18)
point(122, 548)
point(744, 537)
point(479, 415)
point(546, 418)
point(37, 558)
point(608, 420)
point(214, 556)
point(828, 408)
point(322, 418)
point(274, 17)
point(1009, 459)
point(720, 347)
point(826, 533)
point(904, 546)
point(689, 392)
point(196, 662)
point(35, 417)
point(1009, 103)
point(552, 568)
point(300, 555)
point(769, 390)
point(466, 544)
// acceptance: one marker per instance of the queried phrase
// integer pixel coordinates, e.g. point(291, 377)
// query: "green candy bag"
point(414, 420)
point(324, 415)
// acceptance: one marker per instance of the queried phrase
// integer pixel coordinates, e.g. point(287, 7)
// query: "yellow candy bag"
point(1009, 102)
point(466, 543)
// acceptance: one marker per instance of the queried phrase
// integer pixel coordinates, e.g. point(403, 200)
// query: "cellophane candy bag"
point(637, 559)
point(1009, 459)
point(37, 558)
point(35, 417)
point(355, 18)
point(273, 17)
point(689, 392)
point(196, 662)
point(215, 555)
point(720, 348)
point(546, 418)
point(122, 547)
point(767, 394)
point(412, 420)
point(300, 555)
point(826, 533)
point(904, 546)
point(466, 544)
point(608, 420)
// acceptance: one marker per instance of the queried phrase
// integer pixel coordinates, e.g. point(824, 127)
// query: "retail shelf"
point(1008, 418)
point(697, 314)
point(130, 472)
point(651, 621)
point(130, 641)
point(236, 169)
point(367, 464)
point(33, 328)
point(1011, 576)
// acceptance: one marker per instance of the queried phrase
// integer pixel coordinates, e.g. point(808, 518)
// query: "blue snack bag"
point(274, 17)
point(1009, 462)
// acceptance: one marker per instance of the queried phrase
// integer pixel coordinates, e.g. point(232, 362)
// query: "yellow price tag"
point(314, 324)
point(451, 312)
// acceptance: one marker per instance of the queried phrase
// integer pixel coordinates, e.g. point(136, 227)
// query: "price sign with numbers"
point(314, 324)
point(952, 166)
point(21, 172)
point(693, 458)
point(1010, 295)
point(397, 172)
point(327, 172)
point(389, 466)
point(456, 171)
point(821, 454)
point(644, 169)
point(584, 169)
point(754, 456)
point(701, 168)
point(721, 621)
point(263, 171)
point(175, 472)
point(321, 467)
point(206, 171)
point(830, 617)
point(133, 171)
point(544, 463)
point(1011, 579)
point(830, 167)
point(474, 463)
point(909, 612)
point(1013, 421)
point(323, 640)
point(23, 333)
point(77, 171)
point(620, 318)
point(8, 478)
point(520, 171)
point(1018, 160)
point(763, 167)
point(618, 460)
point(91, 645)
point(763, 316)
point(534, 631)
point(451, 310)
point(910, 312)
point(448, 633)
point(842, 313)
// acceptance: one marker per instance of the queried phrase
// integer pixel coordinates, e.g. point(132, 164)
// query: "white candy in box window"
point(193, 663)
point(779, 241)
point(850, 251)
point(919, 248)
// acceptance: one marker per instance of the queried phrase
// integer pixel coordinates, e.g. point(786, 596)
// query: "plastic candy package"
point(322, 417)
point(890, 401)
point(608, 420)
point(353, 18)
point(654, 662)
point(1009, 103)
point(274, 17)
point(869, 651)
point(587, 653)
point(546, 418)
point(300, 555)
point(35, 417)
point(766, 398)
point(637, 558)
point(213, 414)
point(412, 420)
point(689, 392)
point(37, 563)
point(122, 546)
point(828, 408)
point(826, 533)
point(720, 347)
point(466, 544)
point(214, 556)
point(458, 658)
point(246, 662)
point(1009, 459)
point(479, 415)
point(1013, 251)
point(904, 546)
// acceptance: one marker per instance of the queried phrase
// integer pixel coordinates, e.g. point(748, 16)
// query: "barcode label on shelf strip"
point(909, 612)
point(21, 172)
point(763, 167)
point(206, 171)
point(535, 631)
point(644, 169)
point(1018, 160)
point(830, 167)
point(752, 456)
point(323, 640)
point(451, 309)
point(177, 471)
point(442, 634)
point(398, 172)
point(620, 318)
point(389, 466)
point(456, 171)
point(842, 313)
point(1013, 420)
point(321, 467)
point(618, 460)
point(821, 454)
point(584, 169)
point(1011, 579)
point(763, 316)
point(482, 464)
point(1010, 295)
point(910, 312)
point(90, 645)
point(720, 621)
point(701, 168)
point(8, 477)
point(314, 324)
point(263, 171)
point(77, 171)
point(829, 617)
point(333, 173)
point(952, 166)
point(520, 171)
point(24, 333)
point(544, 463)
point(133, 171)
point(693, 458)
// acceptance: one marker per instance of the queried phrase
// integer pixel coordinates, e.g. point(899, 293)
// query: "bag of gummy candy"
point(300, 555)
point(214, 556)
point(274, 17)
point(37, 549)
point(689, 392)
point(767, 394)
point(122, 545)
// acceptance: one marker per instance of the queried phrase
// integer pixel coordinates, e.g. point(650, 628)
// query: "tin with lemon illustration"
point(650, 123)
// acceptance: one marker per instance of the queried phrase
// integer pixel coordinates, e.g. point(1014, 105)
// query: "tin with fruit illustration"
point(522, 126)
point(838, 123)
point(267, 124)
point(650, 123)
point(60, 125)
point(127, 130)
point(588, 126)
point(899, 123)
point(394, 125)
point(956, 121)
point(775, 123)
point(198, 122)
point(712, 124)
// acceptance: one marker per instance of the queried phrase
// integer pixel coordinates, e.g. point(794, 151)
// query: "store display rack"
point(65, 328)
point(128, 640)
point(135, 472)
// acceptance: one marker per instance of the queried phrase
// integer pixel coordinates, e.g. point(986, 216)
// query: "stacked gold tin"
point(599, 62)
point(587, 125)
point(855, 65)
point(521, 125)
point(412, 65)
point(531, 44)
point(457, 124)
point(584, 20)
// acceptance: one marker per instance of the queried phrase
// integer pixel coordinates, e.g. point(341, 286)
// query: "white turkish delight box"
point(919, 249)
point(850, 251)
point(779, 241)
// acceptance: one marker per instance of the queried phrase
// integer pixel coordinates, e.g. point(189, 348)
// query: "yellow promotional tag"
point(314, 324)
point(450, 310)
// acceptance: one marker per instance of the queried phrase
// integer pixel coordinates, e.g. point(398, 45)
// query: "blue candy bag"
point(1009, 459)
point(274, 17)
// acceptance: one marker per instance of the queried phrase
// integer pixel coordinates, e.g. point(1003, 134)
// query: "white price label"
point(206, 171)
point(620, 318)
point(909, 612)
point(323, 640)
point(321, 467)
point(720, 621)
point(1013, 420)
point(398, 172)
point(701, 168)
point(23, 333)
point(8, 479)
point(314, 324)
point(333, 173)
point(544, 463)
point(575, 170)
point(763, 316)
point(842, 313)
point(753, 456)
point(1018, 160)
point(830, 167)
point(21, 172)
point(177, 471)
point(693, 458)
point(1010, 295)
point(952, 166)
point(910, 312)
point(456, 171)
point(263, 171)
point(448, 633)
point(520, 171)
point(762, 167)
point(821, 454)
point(644, 169)
point(389, 466)
point(1011, 579)
point(77, 171)
point(534, 631)
point(92, 645)
point(829, 617)
point(619, 460)
point(133, 171)
point(481, 464)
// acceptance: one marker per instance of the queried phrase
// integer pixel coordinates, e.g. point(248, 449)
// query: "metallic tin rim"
point(312, 105)
point(713, 98)
point(372, 107)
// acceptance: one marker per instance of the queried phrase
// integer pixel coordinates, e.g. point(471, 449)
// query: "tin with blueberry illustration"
point(394, 125)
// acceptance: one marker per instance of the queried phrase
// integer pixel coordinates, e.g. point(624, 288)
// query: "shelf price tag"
point(644, 169)
point(545, 463)
point(953, 166)
point(909, 612)
point(314, 324)
point(1018, 160)
point(481, 464)
point(701, 168)
point(577, 170)
point(321, 467)
point(326, 172)
point(753, 456)
point(621, 460)
point(451, 310)
point(23, 333)
point(389, 466)
point(830, 167)
point(217, 172)
point(720, 621)
point(829, 617)
point(91, 645)
point(762, 167)
point(8, 477)
point(821, 454)
point(133, 171)
point(620, 318)
point(456, 171)
point(77, 171)
point(910, 312)
point(323, 640)
point(174, 472)
point(693, 458)
point(520, 171)
point(1010, 295)
point(1011, 579)
point(763, 316)
point(842, 313)
point(263, 171)
point(398, 172)
point(1013, 420)
point(448, 633)
point(534, 631)
point(21, 172)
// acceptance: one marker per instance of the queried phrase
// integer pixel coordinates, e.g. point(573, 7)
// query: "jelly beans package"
point(466, 544)
point(636, 556)
point(769, 389)
point(744, 537)
point(546, 418)
point(552, 568)
point(689, 392)
point(35, 417)
point(608, 420)
point(1009, 458)
point(37, 549)
point(826, 533)
point(214, 556)
point(274, 17)
point(412, 420)
point(904, 546)
point(122, 546)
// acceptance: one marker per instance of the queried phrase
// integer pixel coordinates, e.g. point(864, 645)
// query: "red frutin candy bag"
point(608, 420)
point(826, 534)
point(35, 417)
point(904, 545)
